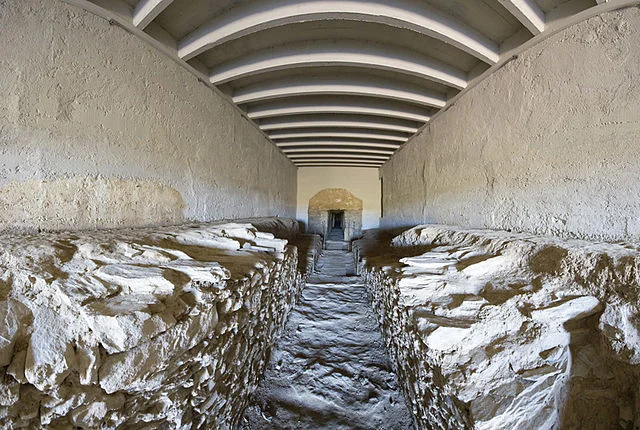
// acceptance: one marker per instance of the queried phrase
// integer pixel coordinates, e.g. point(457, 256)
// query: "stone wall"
point(335, 199)
point(98, 129)
point(549, 144)
point(491, 329)
point(319, 223)
point(361, 182)
point(140, 328)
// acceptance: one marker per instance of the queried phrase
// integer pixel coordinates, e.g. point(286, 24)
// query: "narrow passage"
point(331, 369)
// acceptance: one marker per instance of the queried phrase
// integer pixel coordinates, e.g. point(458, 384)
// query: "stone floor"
point(331, 370)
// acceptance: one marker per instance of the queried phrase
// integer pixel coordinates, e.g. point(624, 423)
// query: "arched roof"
point(344, 82)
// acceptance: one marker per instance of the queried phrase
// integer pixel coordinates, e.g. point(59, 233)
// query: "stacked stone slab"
point(495, 330)
point(309, 245)
point(145, 328)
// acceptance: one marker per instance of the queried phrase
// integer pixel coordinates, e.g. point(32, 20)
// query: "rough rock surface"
point(495, 330)
point(98, 129)
point(330, 369)
point(545, 144)
point(309, 245)
point(145, 328)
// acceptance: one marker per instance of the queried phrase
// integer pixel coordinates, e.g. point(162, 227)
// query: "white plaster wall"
point(548, 144)
point(98, 129)
point(361, 182)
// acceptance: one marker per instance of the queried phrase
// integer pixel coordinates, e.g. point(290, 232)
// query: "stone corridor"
point(330, 369)
point(335, 214)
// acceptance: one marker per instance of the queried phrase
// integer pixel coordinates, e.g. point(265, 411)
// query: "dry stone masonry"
point(495, 330)
point(140, 328)
point(520, 115)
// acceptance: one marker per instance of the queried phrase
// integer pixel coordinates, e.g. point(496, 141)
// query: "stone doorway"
point(336, 219)
point(336, 226)
point(335, 212)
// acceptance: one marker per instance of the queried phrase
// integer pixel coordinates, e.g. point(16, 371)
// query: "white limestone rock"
point(560, 313)
point(137, 328)
point(495, 330)
point(12, 321)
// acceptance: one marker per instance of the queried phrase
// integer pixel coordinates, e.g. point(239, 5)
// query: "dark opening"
point(336, 219)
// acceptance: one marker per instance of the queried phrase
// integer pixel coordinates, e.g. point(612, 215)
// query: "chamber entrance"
point(336, 214)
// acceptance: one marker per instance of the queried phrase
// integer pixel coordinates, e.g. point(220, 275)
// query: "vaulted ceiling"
point(342, 82)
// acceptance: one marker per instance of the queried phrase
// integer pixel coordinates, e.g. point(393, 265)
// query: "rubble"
point(495, 330)
point(140, 328)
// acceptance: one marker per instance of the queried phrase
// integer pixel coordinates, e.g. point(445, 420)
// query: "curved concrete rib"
point(338, 145)
point(337, 163)
point(528, 13)
point(411, 14)
point(337, 160)
point(338, 135)
point(330, 160)
point(362, 165)
point(370, 162)
point(337, 151)
point(147, 10)
point(346, 162)
point(339, 156)
point(348, 53)
point(364, 106)
point(340, 121)
point(354, 86)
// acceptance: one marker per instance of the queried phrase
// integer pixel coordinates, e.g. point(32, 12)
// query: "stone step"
point(337, 245)
point(330, 369)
